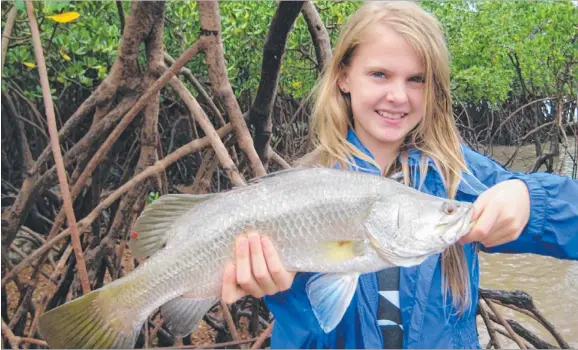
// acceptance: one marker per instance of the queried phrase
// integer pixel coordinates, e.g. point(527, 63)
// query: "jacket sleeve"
point(552, 228)
point(295, 324)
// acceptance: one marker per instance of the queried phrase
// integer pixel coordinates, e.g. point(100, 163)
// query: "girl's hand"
point(502, 213)
point(256, 271)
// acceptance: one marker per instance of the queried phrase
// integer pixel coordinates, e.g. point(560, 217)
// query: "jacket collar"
point(469, 184)
point(414, 155)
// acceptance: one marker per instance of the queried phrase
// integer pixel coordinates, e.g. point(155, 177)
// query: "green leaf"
point(20, 5)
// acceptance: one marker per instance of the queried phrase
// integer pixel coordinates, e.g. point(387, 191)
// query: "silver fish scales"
point(336, 223)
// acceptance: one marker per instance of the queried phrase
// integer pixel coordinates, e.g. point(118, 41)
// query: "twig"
point(7, 32)
point(537, 315)
point(23, 308)
point(7, 332)
point(531, 132)
point(214, 346)
point(532, 338)
point(229, 320)
point(513, 114)
point(53, 131)
point(20, 135)
point(279, 160)
point(54, 29)
point(506, 325)
point(159, 166)
point(34, 111)
point(33, 234)
point(319, 34)
point(266, 333)
point(23, 255)
point(202, 181)
point(20, 208)
point(44, 248)
point(191, 78)
point(120, 15)
point(122, 73)
point(491, 330)
point(141, 103)
point(212, 45)
point(507, 335)
point(203, 120)
point(273, 52)
point(33, 341)
point(76, 188)
point(54, 278)
point(131, 114)
point(157, 325)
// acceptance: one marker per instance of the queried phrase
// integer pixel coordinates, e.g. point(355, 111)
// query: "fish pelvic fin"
point(151, 230)
point(182, 315)
point(85, 323)
point(330, 296)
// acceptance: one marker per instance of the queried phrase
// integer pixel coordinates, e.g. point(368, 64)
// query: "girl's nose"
point(397, 93)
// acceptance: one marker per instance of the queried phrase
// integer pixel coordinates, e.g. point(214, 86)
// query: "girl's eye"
point(418, 79)
point(378, 75)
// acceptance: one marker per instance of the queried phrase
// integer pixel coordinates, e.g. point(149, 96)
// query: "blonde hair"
point(436, 135)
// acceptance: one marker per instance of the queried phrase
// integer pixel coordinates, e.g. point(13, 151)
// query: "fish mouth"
point(461, 225)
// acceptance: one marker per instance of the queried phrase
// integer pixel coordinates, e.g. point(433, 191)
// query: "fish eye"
point(449, 208)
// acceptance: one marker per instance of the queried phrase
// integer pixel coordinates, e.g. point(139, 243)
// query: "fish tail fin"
point(87, 322)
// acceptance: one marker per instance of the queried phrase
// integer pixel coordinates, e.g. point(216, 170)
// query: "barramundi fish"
point(338, 224)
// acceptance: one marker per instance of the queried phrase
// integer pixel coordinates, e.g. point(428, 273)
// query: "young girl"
point(383, 105)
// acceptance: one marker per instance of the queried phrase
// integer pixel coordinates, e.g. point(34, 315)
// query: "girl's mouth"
point(391, 116)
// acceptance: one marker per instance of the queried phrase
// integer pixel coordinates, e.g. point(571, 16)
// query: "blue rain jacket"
point(427, 321)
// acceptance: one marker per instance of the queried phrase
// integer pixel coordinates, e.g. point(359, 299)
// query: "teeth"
point(391, 115)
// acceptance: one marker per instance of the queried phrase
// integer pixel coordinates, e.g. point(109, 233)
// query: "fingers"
point(485, 215)
point(261, 272)
point(500, 214)
point(506, 229)
point(497, 238)
point(245, 277)
point(257, 270)
point(230, 291)
point(281, 277)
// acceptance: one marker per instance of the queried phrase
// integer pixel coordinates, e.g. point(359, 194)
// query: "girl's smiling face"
point(385, 82)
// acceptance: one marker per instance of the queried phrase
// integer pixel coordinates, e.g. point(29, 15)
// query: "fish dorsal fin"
point(286, 173)
point(330, 296)
point(151, 230)
point(182, 315)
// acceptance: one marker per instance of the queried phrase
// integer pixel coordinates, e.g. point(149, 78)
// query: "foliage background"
point(482, 36)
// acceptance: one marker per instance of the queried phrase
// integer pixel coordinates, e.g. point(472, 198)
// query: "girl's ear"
point(343, 82)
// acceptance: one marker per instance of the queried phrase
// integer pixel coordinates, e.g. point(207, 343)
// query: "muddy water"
point(552, 283)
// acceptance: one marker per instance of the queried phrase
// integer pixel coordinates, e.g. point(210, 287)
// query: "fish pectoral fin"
point(151, 229)
point(182, 315)
point(339, 251)
point(330, 296)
